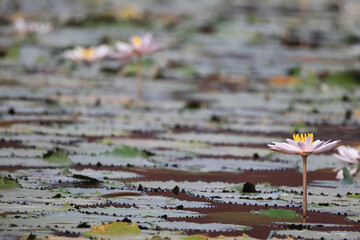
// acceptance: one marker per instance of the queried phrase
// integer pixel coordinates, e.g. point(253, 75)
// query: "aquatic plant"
point(304, 145)
point(87, 55)
point(137, 47)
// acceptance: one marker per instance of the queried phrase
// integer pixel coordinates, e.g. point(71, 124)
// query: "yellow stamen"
point(303, 137)
point(137, 41)
point(89, 53)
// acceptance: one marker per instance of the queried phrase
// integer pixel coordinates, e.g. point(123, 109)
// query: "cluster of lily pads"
point(84, 211)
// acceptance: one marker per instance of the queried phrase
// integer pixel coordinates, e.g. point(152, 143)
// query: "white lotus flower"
point(350, 156)
point(137, 46)
point(303, 144)
point(91, 54)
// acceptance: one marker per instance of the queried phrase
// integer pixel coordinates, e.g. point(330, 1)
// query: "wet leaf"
point(278, 213)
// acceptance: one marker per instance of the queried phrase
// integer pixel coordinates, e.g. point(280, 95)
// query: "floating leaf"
point(114, 229)
point(278, 213)
point(57, 156)
point(344, 79)
point(126, 151)
point(13, 52)
point(8, 183)
point(196, 237)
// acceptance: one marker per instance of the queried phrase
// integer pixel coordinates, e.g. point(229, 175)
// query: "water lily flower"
point(304, 145)
point(350, 156)
point(87, 55)
point(137, 47)
point(24, 28)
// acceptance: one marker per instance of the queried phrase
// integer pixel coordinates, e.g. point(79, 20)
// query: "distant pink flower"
point(303, 144)
point(138, 46)
point(24, 28)
point(349, 155)
point(91, 54)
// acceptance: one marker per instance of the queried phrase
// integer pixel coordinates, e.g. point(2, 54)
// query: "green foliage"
point(159, 238)
point(278, 213)
point(195, 237)
point(126, 151)
point(8, 183)
point(310, 81)
point(129, 70)
point(188, 70)
point(346, 79)
point(57, 156)
point(147, 62)
point(322, 206)
point(132, 68)
point(296, 72)
point(114, 229)
point(357, 196)
point(13, 52)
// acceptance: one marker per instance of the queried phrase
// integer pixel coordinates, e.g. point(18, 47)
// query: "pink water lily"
point(136, 47)
point(24, 28)
point(88, 55)
point(304, 145)
point(350, 156)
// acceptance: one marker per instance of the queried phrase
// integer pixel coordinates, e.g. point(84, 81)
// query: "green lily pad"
point(278, 213)
point(13, 52)
point(357, 196)
point(57, 156)
point(344, 79)
point(126, 151)
point(8, 183)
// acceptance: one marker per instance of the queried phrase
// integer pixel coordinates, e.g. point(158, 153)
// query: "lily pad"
point(8, 183)
point(114, 229)
point(277, 213)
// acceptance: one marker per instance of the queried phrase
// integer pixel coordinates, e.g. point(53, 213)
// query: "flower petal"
point(287, 148)
point(316, 145)
point(340, 174)
point(308, 143)
point(302, 146)
point(327, 146)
